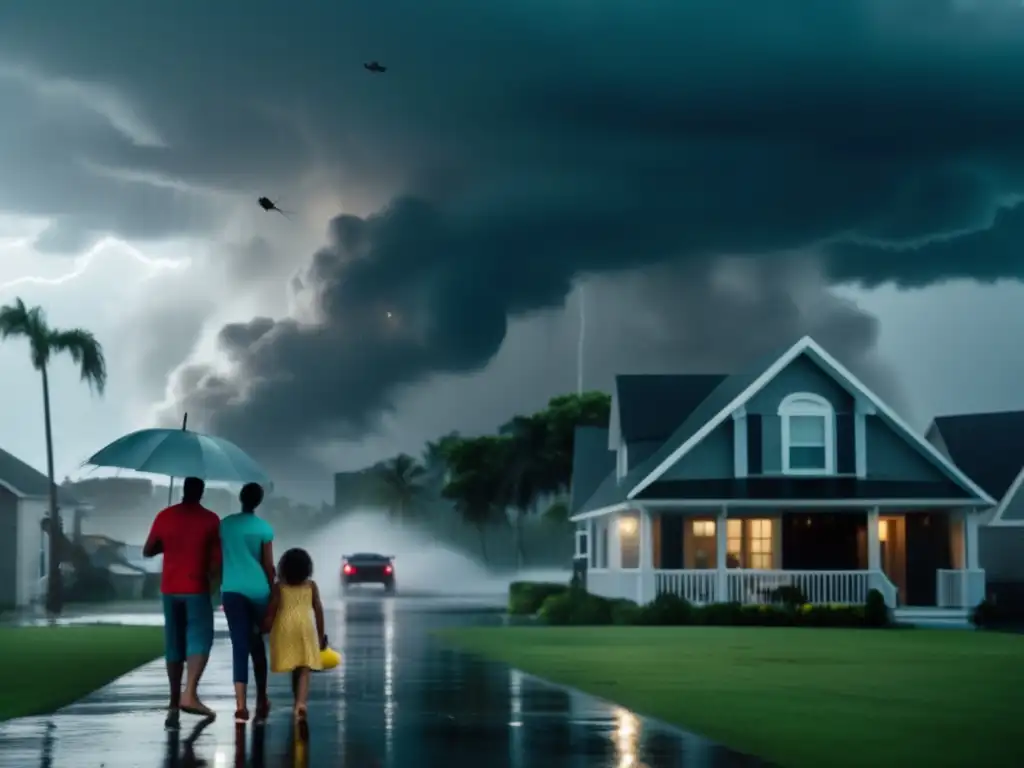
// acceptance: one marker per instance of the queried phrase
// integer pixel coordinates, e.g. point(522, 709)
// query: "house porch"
point(914, 557)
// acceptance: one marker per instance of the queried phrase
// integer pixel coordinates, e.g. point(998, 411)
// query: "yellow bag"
point(329, 658)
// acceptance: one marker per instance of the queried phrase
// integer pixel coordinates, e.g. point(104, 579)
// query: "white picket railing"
point(695, 586)
point(753, 587)
point(817, 587)
point(959, 588)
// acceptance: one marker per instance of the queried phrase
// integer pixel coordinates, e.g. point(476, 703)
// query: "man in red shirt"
point(188, 536)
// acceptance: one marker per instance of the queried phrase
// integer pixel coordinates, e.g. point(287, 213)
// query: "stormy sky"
point(717, 176)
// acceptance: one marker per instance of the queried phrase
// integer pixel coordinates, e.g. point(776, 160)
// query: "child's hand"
point(323, 642)
point(268, 624)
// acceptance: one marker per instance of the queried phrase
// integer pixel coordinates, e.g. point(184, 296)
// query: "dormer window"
point(808, 435)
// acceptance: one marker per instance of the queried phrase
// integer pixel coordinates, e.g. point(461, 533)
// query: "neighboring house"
point(794, 474)
point(990, 448)
point(24, 547)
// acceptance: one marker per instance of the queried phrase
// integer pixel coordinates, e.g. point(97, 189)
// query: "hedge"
point(573, 606)
point(526, 597)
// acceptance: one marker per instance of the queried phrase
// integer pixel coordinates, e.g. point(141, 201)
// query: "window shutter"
point(755, 447)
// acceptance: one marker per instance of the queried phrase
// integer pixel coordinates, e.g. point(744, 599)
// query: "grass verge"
point(46, 668)
point(801, 698)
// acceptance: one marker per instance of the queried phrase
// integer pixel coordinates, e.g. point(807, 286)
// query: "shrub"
point(787, 595)
point(625, 612)
point(987, 614)
point(876, 612)
point(723, 614)
point(526, 597)
point(666, 610)
point(578, 608)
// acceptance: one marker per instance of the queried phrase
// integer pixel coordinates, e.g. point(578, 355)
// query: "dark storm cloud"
point(530, 143)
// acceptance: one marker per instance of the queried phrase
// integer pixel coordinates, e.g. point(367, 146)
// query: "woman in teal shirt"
point(248, 573)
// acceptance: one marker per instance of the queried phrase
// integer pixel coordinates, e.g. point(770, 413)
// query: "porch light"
point(627, 526)
point(883, 530)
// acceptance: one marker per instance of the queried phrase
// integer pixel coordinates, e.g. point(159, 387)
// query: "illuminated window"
point(734, 543)
point(883, 531)
point(761, 544)
point(704, 528)
point(629, 540)
point(808, 435)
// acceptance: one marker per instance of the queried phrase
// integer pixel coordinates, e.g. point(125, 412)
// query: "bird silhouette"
point(375, 67)
point(269, 205)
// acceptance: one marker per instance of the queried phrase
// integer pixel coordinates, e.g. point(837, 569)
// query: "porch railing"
point(818, 587)
point(695, 586)
point(754, 587)
point(959, 588)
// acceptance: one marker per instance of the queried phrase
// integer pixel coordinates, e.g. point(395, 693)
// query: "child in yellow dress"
point(295, 619)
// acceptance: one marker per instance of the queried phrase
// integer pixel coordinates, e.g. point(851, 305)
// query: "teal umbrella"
point(181, 453)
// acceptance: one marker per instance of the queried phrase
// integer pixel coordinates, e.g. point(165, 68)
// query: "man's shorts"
point(188, 626)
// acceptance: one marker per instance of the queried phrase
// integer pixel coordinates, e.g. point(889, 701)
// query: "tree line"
point(521, 473)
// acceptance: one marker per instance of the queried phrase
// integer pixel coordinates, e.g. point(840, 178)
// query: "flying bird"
point(375, 67)
point(269, 205)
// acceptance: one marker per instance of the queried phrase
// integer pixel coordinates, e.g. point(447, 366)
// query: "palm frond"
point(87, 353)
point(15, 319)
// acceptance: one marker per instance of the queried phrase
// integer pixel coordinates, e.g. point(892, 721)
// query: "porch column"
point(970, 540)
point(970, 560)
point(721, 565)
point(646, 588)
point(874, 547)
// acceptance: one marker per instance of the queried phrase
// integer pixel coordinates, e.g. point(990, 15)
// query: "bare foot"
point(262, 710)
point(193, 706)
point(241, 716)
point(173, 718)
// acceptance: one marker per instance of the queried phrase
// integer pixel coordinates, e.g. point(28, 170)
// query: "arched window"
point(808, 435)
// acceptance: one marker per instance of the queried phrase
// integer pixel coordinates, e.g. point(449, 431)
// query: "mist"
point(423, 565)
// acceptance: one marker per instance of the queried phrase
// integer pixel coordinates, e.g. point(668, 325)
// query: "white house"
point(24, 547)
point(724, 488)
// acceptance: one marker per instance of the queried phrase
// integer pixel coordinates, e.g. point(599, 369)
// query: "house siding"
point(890, 456)
point(712, 458)
point(802, 375)
point(8, 548)
point(31, 513)
point(1015, 509)
point(999, 553)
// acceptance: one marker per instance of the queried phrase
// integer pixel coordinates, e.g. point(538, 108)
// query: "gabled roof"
point(26, 482)
point(735, 391)
point(990, 448)
point(651, 407)
point(591, 462)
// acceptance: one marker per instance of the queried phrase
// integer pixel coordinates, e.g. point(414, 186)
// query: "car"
point(368, 568)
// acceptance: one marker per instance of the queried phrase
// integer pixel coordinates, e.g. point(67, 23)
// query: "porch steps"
point(952, 618)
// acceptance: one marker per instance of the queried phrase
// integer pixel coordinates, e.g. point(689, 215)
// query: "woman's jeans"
point(245, 617)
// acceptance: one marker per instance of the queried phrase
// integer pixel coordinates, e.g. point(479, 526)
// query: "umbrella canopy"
point(181, 453)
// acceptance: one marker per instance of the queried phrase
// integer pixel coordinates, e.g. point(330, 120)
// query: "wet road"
point(400, 698)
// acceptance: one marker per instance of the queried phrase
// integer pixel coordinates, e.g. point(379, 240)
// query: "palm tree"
point(44, 343)
point(399, 485)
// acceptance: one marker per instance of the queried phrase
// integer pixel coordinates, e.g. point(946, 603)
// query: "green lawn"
point(802, 698)
point(44, 668)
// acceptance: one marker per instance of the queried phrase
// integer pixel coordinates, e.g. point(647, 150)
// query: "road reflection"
point(400, 697)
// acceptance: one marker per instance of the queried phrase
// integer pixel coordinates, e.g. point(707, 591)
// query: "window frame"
point(769, 538)
point(579, 553)
point(806, 404)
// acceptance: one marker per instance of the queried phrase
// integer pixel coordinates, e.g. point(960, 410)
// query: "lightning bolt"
point(83, 262)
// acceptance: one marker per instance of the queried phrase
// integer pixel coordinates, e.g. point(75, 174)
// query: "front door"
point(672, 542)
point(927, 547)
